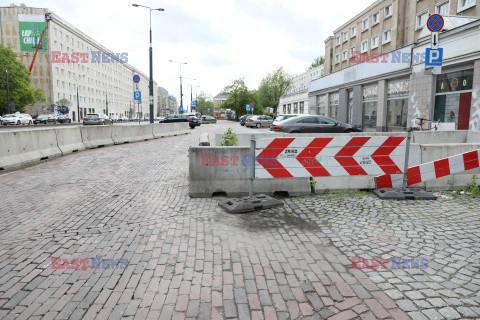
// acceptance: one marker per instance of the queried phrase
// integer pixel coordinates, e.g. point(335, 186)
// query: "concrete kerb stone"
point(97, 136)
point(132, 133)
point(69, 139)
point(226, 170)
point(27, 146)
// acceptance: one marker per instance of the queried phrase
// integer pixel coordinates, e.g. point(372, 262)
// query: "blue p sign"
point(434, 57)
point(137, 95)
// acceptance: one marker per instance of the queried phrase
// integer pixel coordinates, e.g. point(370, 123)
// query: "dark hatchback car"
point(313, 124)
point(44, 118)
point(192, 120)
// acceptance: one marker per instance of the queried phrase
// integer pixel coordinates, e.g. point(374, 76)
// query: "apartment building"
point(71, 62)
point(385, 26)
point(390, 86)
point(296, 99)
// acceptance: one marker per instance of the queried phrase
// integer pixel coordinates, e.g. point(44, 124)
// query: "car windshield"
point(10, 116)
point(92, 116)
point(284, 117)
point(43, 116)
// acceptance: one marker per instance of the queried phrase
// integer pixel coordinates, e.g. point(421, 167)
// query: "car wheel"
point(295, 131)
point(349, 131)
point(18, 123)
point(258, 125)
point(69, 121)
point(192, 127)
point(30, 122)
point(103, 123)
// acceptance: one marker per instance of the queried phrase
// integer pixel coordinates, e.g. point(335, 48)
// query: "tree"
point(21, 93)
point(272, 87)
point(239, 97)
point(317, 62)
point(203, 104)
point(63, 102)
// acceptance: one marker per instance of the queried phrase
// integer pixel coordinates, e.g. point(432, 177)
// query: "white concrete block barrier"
point(23, 147)
point(69, 139)
point(132, 133)
point(97, 136)
point(160, 130)
point(225, 170)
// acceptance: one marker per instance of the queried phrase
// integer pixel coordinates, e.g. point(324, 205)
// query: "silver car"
point(259, 121)
point(96, 119)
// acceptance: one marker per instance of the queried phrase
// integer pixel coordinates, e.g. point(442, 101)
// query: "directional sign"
point(208, 109)
point(137, 95)
point(435, 40)
point(434, 57)
point(181, 109)
point(136, 78)
point(435, 23)
point(194, 103)
point(248, 107)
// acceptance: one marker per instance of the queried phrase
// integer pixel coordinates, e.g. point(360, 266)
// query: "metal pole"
point(181, 94)
point(78, 106)
point(252, 168)
point(8, 94)
point(106, 104)
point(407, 155)
point(151, 72)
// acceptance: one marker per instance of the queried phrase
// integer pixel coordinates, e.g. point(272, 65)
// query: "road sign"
point(434, 70)
point(136, 78)
point(435, 23)
point(208, 109)
point(435, 43)
point(181, 109)
point(252, 104)
point(137, 95)
point(194, 103)
point(434, 57)
point(248, 107)
point(323, 157)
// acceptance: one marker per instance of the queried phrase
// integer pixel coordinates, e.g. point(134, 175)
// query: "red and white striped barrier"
point(432, 170)
point(323, 157)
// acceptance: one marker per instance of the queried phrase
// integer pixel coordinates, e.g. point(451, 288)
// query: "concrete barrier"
point(433, 137)
point(27, 146)
point(161, 130)
point(226, 170)
point(132, 133)
point(473, 137)
point(69, 139)
point(97, 136)
point(204, 140)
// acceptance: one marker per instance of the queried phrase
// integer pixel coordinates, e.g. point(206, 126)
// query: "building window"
point(443, 8)
point(334, 105)
point(387, 36)
point(364, 24)
point(374, 42)
point(345, 36)
point(344, 55)
point(465, 4)
point(397, 105)
point(364, 46)
point(375, 18)
point(421, 19)
point(338, 41)
point(352, 52)
point(387, 11)
point(337, 58)
point(353, 32)
point(370, 98)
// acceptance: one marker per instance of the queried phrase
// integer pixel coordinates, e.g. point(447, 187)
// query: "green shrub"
point(229, 138)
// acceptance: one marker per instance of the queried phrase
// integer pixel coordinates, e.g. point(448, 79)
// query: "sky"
point(220, 40)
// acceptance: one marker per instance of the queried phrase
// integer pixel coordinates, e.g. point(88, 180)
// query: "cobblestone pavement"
point(188, 259)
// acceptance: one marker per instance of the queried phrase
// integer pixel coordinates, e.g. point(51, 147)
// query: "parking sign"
point(137, 95)
point(434, 57)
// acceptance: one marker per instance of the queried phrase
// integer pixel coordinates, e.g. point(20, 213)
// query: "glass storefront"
point(350, 107)
point(334, 105)
point(322, 105)
point(397, 105)
point(295, 108)
point(453, 98)
point(369, 114)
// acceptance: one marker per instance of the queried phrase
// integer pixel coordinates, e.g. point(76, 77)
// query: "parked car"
point(283, 117)
point(313, 124)
point(45, 119)
point(244, 118)
point(208, 118)
point(64, 118)
point(1, 120)
point(96, 119)
point(259, 121)
point(158, 118)
point(17, 119)
point(193, 121)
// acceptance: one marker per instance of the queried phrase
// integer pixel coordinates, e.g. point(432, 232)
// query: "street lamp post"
point(191, 93)
point(8, 94)
point(181, 93)
point(150, 84)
